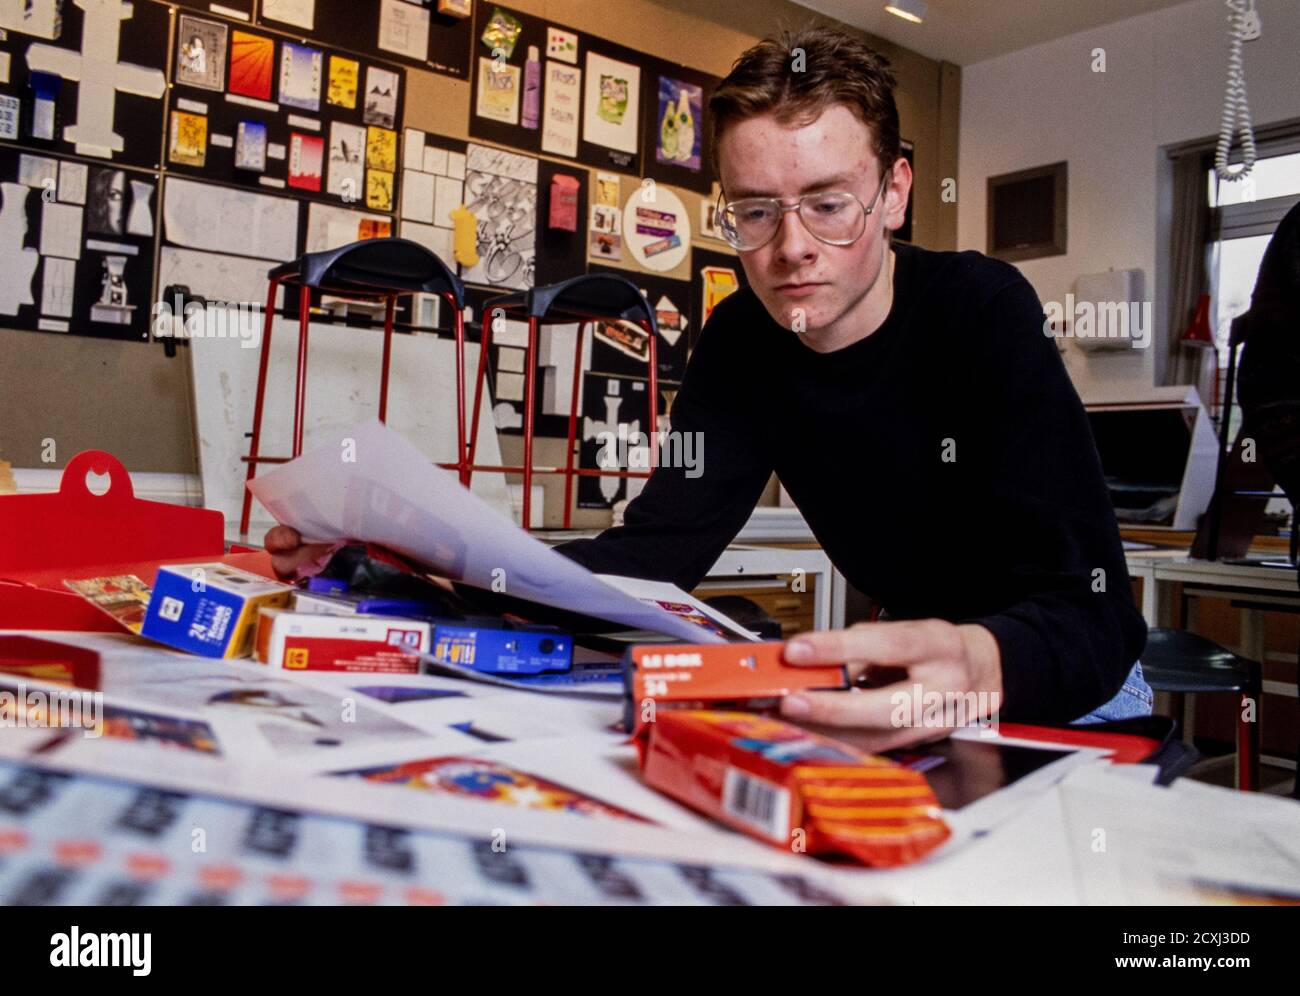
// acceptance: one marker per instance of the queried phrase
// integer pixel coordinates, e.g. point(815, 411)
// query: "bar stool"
point(1180, 663)
point(381, 269)
point(582, 299)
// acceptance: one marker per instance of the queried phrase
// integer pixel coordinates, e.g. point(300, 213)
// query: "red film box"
point(789, 787)
point(745, 675)
point(300, 641)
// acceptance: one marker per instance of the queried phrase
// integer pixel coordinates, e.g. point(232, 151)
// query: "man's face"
point(803, 282)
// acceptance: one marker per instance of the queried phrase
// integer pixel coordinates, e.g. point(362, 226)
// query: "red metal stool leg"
point(530, 364)
point(573, 428)
point(300, 385)
point(654, 398)
point(479, 379)
point(390, 305)
point(462, 459)
point(257, 406)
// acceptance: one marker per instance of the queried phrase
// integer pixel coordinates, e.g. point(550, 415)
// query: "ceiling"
point(969, 31)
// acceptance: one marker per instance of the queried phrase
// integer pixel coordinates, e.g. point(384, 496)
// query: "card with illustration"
point(201, 53)
point(480, 778)
point(189, 139)
point(252, 58)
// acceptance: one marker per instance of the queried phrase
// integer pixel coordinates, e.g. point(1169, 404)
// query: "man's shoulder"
point(966, 276)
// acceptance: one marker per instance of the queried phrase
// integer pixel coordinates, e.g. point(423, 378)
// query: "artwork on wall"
point(613, 436)
point(656, 228)
point(501, 191)
point(681, 113)
point(611, 103)
point(85, 79)
point(77, 241)
point(201, 53)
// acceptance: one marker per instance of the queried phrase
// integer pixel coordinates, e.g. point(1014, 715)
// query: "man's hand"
point(289, 552)
point(914, 658)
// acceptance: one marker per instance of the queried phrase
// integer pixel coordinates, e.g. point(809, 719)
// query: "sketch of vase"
point(20, 261)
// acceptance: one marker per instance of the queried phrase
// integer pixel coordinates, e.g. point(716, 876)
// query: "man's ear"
point(897, 190)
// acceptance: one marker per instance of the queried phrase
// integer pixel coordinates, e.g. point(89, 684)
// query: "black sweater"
point(944, 463)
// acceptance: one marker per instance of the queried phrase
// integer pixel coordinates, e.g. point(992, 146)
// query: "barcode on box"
point(757, 803)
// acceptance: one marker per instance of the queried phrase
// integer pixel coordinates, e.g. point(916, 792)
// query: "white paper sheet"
point(61, 230)
point(222, 219)
point(57, 279)
point(368, 483)
point(417, 196)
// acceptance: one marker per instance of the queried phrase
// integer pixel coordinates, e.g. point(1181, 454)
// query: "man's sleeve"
point(678, 526)
point(1071, 632)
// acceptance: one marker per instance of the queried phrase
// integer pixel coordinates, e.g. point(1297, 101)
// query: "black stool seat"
point(578, 299)
point(373, 267)
point(1178, 661)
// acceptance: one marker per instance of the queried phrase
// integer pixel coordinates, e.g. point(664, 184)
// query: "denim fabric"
point(1134, 699)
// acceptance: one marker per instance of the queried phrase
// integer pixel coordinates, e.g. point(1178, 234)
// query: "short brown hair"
point(800, 74)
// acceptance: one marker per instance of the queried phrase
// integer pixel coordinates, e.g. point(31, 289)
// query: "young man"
point(912, 406)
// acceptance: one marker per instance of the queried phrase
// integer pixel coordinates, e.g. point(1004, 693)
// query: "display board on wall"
point(77, 242)
point(412, 33)
point(255, 109)
point(85, 81)
point(544, 87)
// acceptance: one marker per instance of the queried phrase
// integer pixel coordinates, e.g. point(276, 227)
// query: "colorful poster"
point(681, 113)
point(491, 781)
point(657, 228)
point(306, 161)
point(610, 104)
point(250, 146)
point(381, 149)
point(344, 73)
point(379, 190)
point(498, 91)
point(189, 139)
point(252, 58)
point(381, 97)
point(719, 283)
point(561, 106)
point(201, 53)
point(300, 76)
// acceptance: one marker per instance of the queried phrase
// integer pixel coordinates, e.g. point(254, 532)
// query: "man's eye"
point(828, 207)
point(753, 215)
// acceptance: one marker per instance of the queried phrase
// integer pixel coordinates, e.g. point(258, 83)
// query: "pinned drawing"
point(501, 192)
point(342, 90)
point(201, 53)
point(610, 102)
point(113, 307)
point(300, 76)
point(106, 202)
point(381, 97)
point(681, 112)
point(347, 143)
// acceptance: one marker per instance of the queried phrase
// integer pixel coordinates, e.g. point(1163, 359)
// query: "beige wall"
point(129, 399)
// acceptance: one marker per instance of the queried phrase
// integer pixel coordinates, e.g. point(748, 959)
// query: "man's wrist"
point(984, 658)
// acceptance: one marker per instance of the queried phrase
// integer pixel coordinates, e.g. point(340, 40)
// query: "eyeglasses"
point(835, 217)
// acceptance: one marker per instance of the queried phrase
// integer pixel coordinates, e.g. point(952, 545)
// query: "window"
point(1244, 217)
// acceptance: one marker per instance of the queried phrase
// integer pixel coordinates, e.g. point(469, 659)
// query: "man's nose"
point(794, 243)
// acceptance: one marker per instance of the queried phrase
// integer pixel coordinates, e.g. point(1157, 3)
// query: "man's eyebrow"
point(837, 182)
